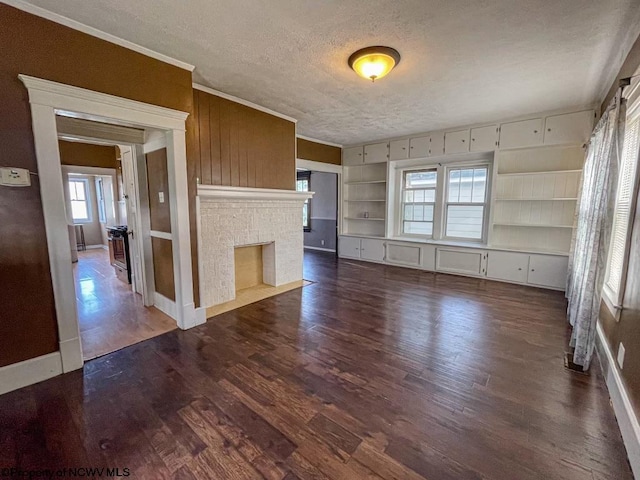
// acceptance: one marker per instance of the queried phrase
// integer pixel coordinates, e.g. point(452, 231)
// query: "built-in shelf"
point(363, 218)
point(527, 225)
point(365, 182)
point(557, 199)
point(547, 172)
point(364, 200)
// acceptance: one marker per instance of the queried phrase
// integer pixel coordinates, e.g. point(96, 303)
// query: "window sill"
point(611, 304)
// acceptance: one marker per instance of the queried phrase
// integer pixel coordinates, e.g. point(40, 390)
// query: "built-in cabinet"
point(536, 173)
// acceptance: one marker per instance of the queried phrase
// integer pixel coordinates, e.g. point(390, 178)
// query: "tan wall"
point(163, 267)
point(85, 155)
point(627, 330)
point(158, 181)
point(40, 48)
point(318, 152)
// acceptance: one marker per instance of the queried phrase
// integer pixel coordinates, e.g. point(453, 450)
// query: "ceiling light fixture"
point(374, 63)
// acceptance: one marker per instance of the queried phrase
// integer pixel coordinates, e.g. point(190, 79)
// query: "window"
point(466, 201)
point(302, 185)
point(623, 212)
point(79, 195)
point(419, 201)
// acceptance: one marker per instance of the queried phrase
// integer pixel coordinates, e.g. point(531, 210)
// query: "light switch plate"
point(621, 352)
point(14, 177)
point(161, 197)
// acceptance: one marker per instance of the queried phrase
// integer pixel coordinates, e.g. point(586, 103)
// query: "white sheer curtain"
point(588, 259)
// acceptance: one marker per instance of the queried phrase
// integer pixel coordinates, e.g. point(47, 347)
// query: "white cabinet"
point(574, 128)
point(352, 156)
point(349, 247)
point(462, 261)
point(548, 271)
point(437, 144)
point(456, 142)
point(508, 266)
point(363, 248)
point(399, 149)
point(403, 254)
point(428, 257)
point(484, 139)
point(376, 153)
point(372, 249)
point(525, 133)
point(419, 147)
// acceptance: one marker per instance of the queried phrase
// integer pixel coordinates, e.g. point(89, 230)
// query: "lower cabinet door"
point(548, 271)
point(349, 247)
point(371, 249)
point(508, 266)
point(466, 262)
point(402, 254)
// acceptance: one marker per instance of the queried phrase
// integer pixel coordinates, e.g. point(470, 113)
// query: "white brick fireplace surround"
point(231, 217)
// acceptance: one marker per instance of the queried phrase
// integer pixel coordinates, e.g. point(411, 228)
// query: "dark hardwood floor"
point(371, 372)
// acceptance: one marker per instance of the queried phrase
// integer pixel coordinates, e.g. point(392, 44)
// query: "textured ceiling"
point(463, 62)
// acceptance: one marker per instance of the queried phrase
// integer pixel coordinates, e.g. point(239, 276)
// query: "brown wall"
point(85, 155)
point(627, 330)
point(158, 181)
point(44, 49)
point(318, 152)
point(163, 267)
point(239, 146)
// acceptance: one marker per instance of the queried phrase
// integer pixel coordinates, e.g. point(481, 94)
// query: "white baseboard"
point(622, 406)
point(94, 247)
point(34, 370)
point(165, 305)
point(319, 249)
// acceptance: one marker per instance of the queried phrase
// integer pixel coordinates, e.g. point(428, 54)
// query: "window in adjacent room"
point(303, 185)
point(418, 201)
point(466, 199)
point(79, 195)
point(624, 210)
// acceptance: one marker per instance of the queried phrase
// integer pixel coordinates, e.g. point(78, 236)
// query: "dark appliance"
point(119, 251)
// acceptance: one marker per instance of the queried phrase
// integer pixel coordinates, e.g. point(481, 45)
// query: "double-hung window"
point(466, 202)
point(79, 196)
point(624, 209)
point(419, 201)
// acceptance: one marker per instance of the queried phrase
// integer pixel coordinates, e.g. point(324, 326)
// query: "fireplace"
point(239, 226)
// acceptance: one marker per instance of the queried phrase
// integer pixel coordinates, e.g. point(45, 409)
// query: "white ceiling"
point(463, 62)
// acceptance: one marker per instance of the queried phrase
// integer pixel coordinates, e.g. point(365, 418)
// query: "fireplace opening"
point(248, 267)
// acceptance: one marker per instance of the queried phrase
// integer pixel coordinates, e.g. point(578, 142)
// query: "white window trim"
point(485, 215)
point(615, 300)
point(439, 214)
point(87, 194)
point(403, 189)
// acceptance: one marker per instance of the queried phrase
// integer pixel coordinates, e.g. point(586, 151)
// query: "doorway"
point(320, 216)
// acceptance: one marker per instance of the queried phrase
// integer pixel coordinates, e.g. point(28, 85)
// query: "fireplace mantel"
point(246, 193)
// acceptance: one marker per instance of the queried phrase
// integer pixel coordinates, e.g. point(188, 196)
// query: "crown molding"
point(222, 192)
point(242, 101)
point(94, 32)
point(315, 140)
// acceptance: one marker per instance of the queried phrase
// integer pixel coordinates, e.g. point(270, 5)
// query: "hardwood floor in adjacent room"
point(111, 316)
point(371, 372)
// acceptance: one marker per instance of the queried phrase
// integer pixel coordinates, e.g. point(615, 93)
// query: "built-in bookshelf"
point(535, 196)
point(365, 199)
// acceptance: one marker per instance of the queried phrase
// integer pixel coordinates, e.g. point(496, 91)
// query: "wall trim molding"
point(315, 140)
point(220, 192)
point(622, 406)
point(242, 101)
point(165, 305)
point(318, 166)
point(159, 234)
point(28, 372)
point(94, 32)
point(320, 249)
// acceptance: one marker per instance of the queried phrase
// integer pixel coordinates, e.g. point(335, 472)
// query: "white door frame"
point(50, 98)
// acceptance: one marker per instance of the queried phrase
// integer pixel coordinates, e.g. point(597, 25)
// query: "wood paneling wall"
point(158, 181)
point(41, 48)
point(163, 267)
point(627, 330)
point(85, 155)
point(239, 146)
point(319, 152)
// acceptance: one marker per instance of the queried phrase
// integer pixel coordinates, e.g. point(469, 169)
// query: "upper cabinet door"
point(456, 142)
point(484, 139)
point(352, 156)
point(573, 128)
point(419, 147)
point(525, 133)
point(437, 144)
point(376, 153)
point(399, 149)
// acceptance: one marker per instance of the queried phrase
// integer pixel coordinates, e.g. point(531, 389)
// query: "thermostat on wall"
point(14, 177)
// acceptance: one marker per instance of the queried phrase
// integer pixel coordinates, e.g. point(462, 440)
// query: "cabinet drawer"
point(508, 266)
point(525, 133)
point(456, 142)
